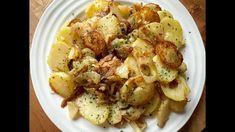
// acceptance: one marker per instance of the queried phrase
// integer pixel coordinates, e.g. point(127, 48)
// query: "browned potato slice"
point(137, 6)
point(135, 20)
point(144, 16)
point(153, 7)
point(169, 54)
point(152, 32)
point(95, 41)
point(149, 15)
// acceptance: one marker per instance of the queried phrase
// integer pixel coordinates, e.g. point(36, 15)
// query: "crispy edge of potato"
point(73, 21)
point(163, 49)
point(149, 15)
point(153, 6)
point(95, 41)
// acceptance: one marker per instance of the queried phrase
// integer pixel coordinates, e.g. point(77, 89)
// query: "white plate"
point(60, 11)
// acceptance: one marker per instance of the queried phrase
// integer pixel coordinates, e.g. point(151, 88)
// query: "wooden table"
point(40, 122)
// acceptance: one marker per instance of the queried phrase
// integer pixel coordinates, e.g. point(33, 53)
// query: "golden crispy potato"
point(95, 41)
point(144, 16)
point(152, 32)
point(62, 83)
point(169, 54)
point(153, 7)
point(148, 15)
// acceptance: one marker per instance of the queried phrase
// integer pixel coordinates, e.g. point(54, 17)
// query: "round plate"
point(60, 11)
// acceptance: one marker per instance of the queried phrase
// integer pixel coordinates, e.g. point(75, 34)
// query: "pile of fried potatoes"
point(120, 64)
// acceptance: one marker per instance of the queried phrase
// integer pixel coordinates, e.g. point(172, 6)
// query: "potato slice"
point(124, 10)
point(153, 7)
point(136, 91)
point(152, 32)
point(115, 115)
point(91, 110)
point(178, 93)
point(58, 57)
point(62, 83)
point(65, 35)
point(153, 104)
point(72, 110)
point(163, 112)
point(132, 66)
point(109, 27)
point(164, 74)
point(169, 54)
point(143, 52)
point(178, 106)
point(132, 113)
point(173, 32)
point(148, 15)
point(96, 7)
point(90, 77)
point(95, 41)
point(121, 11)
point(164, 13)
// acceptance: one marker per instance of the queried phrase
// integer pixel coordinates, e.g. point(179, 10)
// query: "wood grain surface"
point(39, 122)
